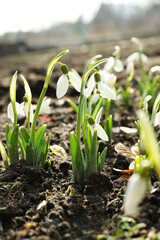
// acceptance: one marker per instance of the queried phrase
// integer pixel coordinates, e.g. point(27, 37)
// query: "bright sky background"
point(28, 15)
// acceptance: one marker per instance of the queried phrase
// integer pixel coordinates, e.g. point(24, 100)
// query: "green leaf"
point(44, 150)
point(91, 61)
point(73, 105)
point(13, 146)
point(77, 159)
point(4, 155)
point(39, 141)
point(141, 86)
point(25, 137)
point(92, 161)
point(97, 108)
point(30, 155)
point(13, 88)
point(39, 134)
point(22, 148)
point(101, 159)
point(8, 135)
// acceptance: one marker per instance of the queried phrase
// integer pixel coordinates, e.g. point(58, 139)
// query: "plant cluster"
point(97, 89)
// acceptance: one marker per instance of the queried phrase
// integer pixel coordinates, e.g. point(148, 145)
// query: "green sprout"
point(126, 228)
point(89, 161)
point(126, 91)
point(8, 188)
point(149, 82)
point(34, 144)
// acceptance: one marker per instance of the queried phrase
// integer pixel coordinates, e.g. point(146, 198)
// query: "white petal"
point(130, 67)
point(144, 58)
point(88, 91)
point(109, 64)
point(76, 82)
point(133, 57)
point(10, 112)
point(94, 99)
point(110, 79)
point(44, 106)
point(27, 88)
point(26, 108)
point(91, 81)
point(118, 66)
point(100, 132)
point(155, 69)
point(106, 92)
point(135, 192)
point(157, 119)
point(20, 109)
point(62, 86)
point(98, 116)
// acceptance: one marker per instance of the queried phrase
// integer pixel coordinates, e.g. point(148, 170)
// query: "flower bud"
point(25, 98)
point(97, 77)
point(91, 121)
point(64, 69)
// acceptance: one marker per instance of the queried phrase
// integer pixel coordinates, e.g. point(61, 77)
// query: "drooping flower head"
point(66, 79)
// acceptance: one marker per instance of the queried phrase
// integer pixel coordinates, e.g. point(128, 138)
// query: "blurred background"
point(35, 25)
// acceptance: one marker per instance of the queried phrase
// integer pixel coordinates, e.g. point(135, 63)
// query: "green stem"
point(46, 83)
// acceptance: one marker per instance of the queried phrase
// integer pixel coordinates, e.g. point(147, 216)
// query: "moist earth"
point(44, 203)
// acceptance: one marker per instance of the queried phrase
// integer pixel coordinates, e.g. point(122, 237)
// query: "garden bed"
point(45, 203)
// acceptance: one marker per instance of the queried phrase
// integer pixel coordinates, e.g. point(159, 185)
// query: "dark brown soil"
point(46, 204)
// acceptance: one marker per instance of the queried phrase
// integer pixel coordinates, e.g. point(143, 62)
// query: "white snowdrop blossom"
point(19, 109)
point(94, 125)
point(66, 79)
point(135, 192)
point(103, 83)
point(155, 69)
point(157, 119)
point(114, 64)
point(45, 105)
point(135, 57)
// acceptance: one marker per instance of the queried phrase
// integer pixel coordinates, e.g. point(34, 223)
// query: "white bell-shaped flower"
point(114, 64)
point(135, 192)
point(45, 105)
point(94, 125)
point(155, 69)
point(135, 57)
point(64, 81)
point(103, 85)
point(157, 119)
point(19, 109)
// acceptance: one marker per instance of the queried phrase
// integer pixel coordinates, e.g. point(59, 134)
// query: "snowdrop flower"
point(155, 69)
point(45, 105)
point(157, 119)
point(19, 109)
point(94, 125)
point(102, 82)
point(114, 64)
point(135, 57)
point(135, 192)
point(66, 79)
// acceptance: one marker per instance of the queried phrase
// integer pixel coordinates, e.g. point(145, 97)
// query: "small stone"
point(54, 234)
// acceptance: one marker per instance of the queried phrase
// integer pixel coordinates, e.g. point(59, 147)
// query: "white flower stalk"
point(19, 109)
point(102, 82)
point(64, 81)
point(135, 192)
point(135, 57)
point(94, 125)
point(114, 64)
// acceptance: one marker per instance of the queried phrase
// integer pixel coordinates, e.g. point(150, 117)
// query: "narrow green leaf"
point(38, 146)
point(30, 155)
point(97, 108)
point(22, 148)
point(73, 105)
point(4, 155)
point(39, 134)
point(141, 86)
point(13, 88)
point(101, 159)
point(8, 135)
point(77, 159)
point(91, 61)
point(13, 147)
point(92, 161)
